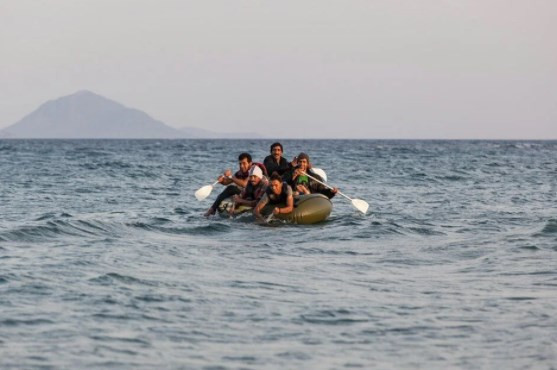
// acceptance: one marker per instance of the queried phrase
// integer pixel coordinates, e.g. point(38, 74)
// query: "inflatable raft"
point(308, 209)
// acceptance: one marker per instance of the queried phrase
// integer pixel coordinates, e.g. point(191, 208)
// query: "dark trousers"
point(229, 191)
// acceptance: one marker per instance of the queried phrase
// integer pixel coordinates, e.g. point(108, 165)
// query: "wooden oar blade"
point(203, 192)
point(360, 205)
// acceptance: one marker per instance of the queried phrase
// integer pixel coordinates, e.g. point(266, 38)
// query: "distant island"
point(86, 115)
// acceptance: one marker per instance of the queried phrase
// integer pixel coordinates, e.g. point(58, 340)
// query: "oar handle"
point(327, 185)
point(344, 195)
point(218, 182)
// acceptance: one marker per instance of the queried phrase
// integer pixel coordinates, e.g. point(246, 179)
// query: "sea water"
point(106, 260)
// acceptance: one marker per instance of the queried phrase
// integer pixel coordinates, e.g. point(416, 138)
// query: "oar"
point(319, 172)
point(204, 192)
point(360, 205)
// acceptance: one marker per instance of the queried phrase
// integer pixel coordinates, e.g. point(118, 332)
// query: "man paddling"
point(278, 194)
point(302, 184)
point(235, 183)
point(276, 162)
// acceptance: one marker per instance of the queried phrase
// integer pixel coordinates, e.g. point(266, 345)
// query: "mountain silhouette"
point(90, 116)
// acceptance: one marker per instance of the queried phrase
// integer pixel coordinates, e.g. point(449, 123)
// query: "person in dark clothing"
point(276, 162)
point(254, 190)
point(235, 183)
point(278, 193)
point(301, 183)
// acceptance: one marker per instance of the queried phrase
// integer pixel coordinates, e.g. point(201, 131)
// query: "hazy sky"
point(365, 69)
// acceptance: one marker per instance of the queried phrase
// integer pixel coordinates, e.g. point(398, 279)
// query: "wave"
point(113, 278)
point(7, 148)
point(452, 178)
point(116, 164)
point(53, 215)
point(53, 225)
point(33, 233)
point(549, 228)
point(334, 317)
point(210, 229)
point(16, 322)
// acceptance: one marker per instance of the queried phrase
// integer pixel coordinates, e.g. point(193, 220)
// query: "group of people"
point(276, 181)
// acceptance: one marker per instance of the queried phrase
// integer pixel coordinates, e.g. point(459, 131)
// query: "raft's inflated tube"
point(308, 209)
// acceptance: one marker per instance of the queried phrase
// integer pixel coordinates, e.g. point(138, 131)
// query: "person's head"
point(303, 161)
point(276, 183)
point(255, 175)
point(276, 150)
point(244, 161)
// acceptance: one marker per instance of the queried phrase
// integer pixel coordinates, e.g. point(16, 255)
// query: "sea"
point(106, 260)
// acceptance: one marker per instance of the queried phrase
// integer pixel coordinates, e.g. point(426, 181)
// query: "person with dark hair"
point(301, 183)
point(276, 162)
point(253, 191)
point(235, 183)
point(279, 194)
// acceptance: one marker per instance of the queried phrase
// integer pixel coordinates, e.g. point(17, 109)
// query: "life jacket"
point(281, 198)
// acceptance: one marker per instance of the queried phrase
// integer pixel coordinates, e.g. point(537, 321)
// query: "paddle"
point(359, 204)
point(204, 192)
point(319, 172)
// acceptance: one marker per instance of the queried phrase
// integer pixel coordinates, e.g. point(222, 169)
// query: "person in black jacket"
point(276, 162)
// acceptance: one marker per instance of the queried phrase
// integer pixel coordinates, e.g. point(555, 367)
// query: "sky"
point(384, 69)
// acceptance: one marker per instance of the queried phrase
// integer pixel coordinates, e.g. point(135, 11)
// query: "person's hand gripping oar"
point(360, 205)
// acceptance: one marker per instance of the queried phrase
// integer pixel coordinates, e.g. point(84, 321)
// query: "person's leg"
point(229, 191)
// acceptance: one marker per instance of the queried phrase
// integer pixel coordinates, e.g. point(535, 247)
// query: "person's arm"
point(289, 206)
point(302, 189)
point(246, 202)
point(251, 203)
point(242, 198)
point(332, 192)
point(240, 182)
point(257, 210)
point(297, 172)
point(293, 163)
point(319, 188)
point(225, 178)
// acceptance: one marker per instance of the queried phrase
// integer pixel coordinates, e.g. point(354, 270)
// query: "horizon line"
point(279, 138)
